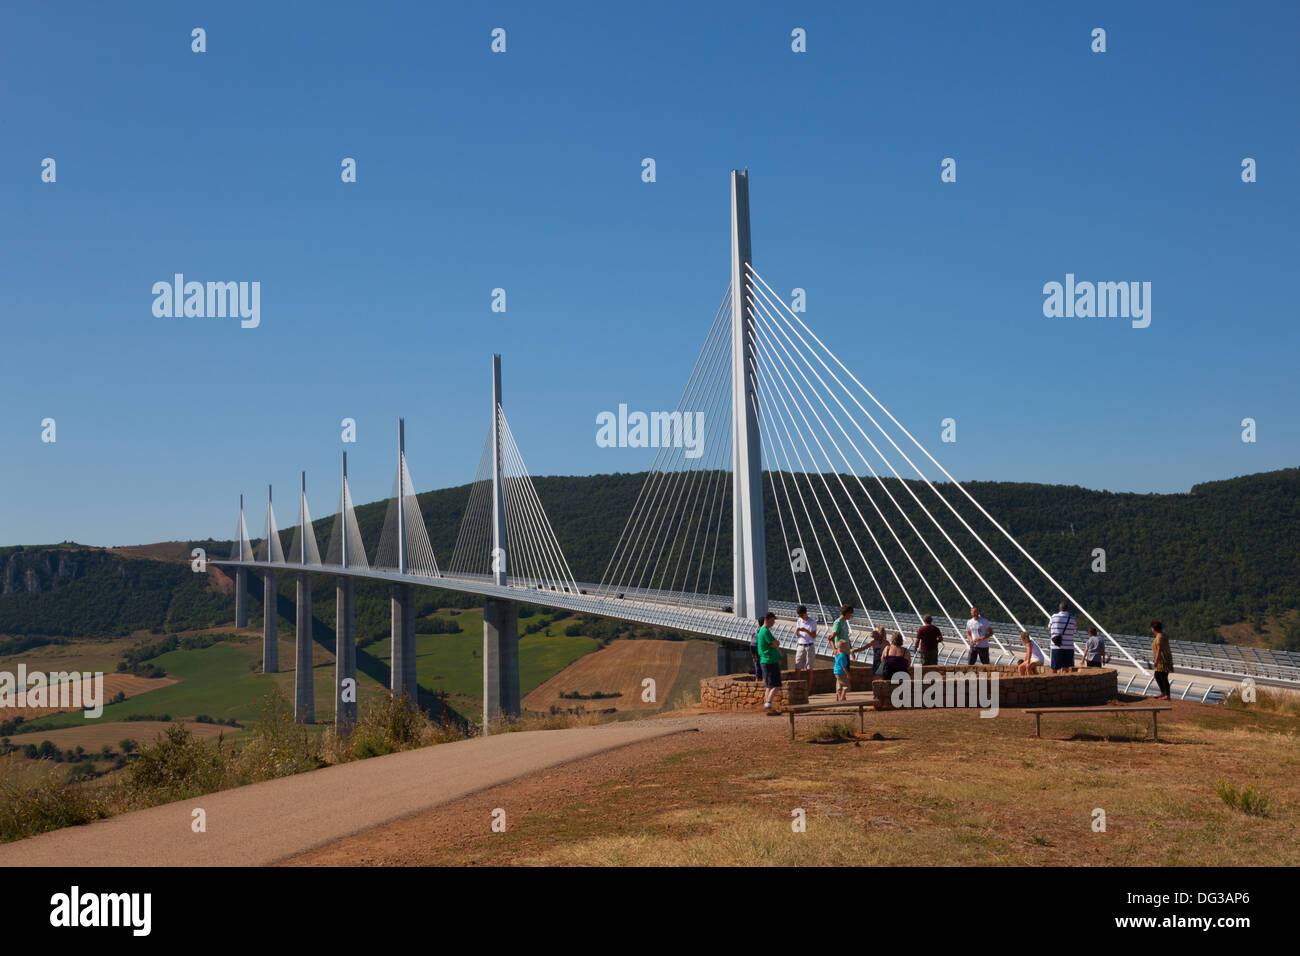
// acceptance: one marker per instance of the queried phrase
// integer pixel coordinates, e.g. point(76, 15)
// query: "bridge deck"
point(710, 616)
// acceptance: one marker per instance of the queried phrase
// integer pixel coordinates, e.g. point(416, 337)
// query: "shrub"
point(277, 747)
point(1248, 800)
point(177, 765)
point(46, 803)
point(438, 625)
point(388, 724)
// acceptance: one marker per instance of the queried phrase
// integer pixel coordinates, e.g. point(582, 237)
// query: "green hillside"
point(1222, 554)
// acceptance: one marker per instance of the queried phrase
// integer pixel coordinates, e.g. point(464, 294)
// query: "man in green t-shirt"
point(840, 630)
point(770, 655)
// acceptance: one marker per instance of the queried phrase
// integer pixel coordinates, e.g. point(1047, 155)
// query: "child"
point(842, 671)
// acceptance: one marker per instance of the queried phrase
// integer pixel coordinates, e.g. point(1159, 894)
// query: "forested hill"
point(1226, 552)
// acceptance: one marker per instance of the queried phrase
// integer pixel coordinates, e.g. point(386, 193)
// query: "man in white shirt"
point(978, 632)
point(1062, 627)
point(805, 653)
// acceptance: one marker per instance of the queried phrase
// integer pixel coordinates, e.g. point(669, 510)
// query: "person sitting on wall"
point(1033, 658)
point(879, 641)
point(895, 657)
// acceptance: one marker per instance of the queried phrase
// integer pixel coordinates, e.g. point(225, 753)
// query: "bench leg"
point(792, 725)
point(862, 719)
point(1038, 725)
point(1155, 725)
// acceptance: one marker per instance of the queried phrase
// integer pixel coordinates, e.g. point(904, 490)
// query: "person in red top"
point(928, 639)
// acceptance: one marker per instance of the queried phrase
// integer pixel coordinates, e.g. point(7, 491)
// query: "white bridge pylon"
point(770, 421)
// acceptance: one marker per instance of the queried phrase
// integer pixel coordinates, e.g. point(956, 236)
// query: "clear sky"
point(522, 170)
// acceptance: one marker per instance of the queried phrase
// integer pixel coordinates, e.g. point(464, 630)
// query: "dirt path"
point(267, 822)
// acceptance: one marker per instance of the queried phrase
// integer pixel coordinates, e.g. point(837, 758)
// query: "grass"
point(453, 663)
point(1269, 701)
point(835, 732)
point(179, 765)
point(936, 788)
point(43, 798)
point(225, 680)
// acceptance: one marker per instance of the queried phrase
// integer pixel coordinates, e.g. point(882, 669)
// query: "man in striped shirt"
point(1062, 627)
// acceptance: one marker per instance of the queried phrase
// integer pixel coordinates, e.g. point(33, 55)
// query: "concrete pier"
point(345, 657)
point(304, 695)
point(403, 651)
point(241, 597)
point(500, 660)
point(270, 625)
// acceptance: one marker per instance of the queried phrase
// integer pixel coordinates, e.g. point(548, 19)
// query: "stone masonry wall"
point(1076, 687)
point(745, 692)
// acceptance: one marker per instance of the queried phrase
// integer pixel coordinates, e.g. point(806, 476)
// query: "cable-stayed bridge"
point(864, 515)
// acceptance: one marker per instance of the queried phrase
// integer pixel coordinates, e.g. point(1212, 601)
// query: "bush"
point(176, 766)
point(388, 724)
point(48, 803)
point(276, 746)
point(438, 625)
point(1248, 800)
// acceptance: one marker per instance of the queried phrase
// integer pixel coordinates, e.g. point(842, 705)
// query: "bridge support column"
point(345, 658)
point(270, 624)
point(304, 698)
point(500, 660)
point(403, 651)
point(749, 547)
point(241, 597)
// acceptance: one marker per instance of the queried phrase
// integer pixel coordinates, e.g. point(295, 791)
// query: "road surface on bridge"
point(266, 822)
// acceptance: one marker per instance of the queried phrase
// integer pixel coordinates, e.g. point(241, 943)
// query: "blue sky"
point(522, 170)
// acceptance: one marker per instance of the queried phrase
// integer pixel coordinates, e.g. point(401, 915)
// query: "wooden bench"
point(1153, 709)
point(804, 710)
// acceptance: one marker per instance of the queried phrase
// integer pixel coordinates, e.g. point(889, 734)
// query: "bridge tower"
point(241, 575)
point(304, 697)
point(345, 627)
point(270, 600)
point(500, 617)
point(402, 679)
point(749, 549)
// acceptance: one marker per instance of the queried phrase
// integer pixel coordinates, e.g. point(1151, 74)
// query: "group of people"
point(888, 656)
point(1062, 632)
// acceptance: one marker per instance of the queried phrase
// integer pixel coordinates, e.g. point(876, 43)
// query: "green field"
point(454, 663)
point(225, 681)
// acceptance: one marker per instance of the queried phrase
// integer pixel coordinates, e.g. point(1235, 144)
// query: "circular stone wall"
point(746, 692)
point(1074, 687)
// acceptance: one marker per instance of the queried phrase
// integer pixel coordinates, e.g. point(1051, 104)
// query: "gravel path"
point(267, 822)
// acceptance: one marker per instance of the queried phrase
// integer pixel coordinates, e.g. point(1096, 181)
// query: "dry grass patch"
point(940, 789)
